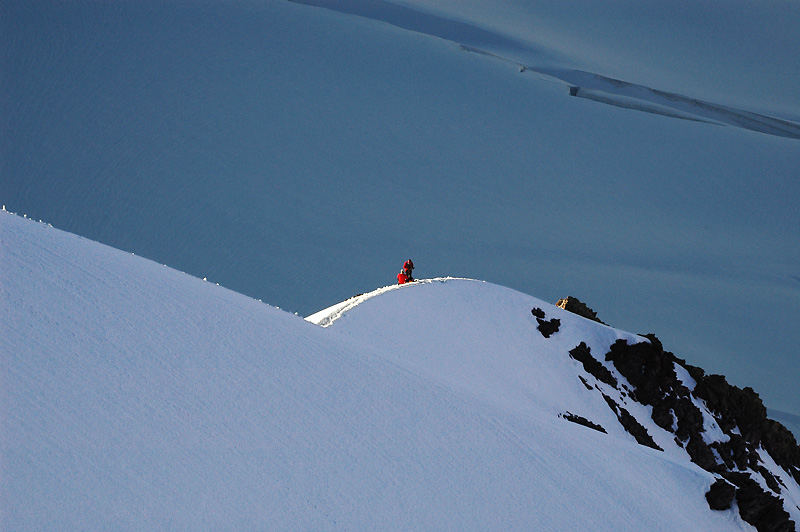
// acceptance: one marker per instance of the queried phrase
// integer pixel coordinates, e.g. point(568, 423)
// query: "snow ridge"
point(326, 317)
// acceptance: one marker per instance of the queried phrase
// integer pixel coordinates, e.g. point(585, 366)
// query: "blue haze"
point(299, 155)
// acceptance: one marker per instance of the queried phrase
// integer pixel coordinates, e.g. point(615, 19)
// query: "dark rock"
point(782, 446)
point(772, 482)
point(757, 507)
point(701, 454)
point(651, 371)
point(742, 408)
point(548, 328)
point(733, 406)
point(537, 312)
point(689, 418)
point(588, 386)
point(631, 426)
point(655, 341)
point(694, 372)
point(720, 495)
point(576, 306)
point(583, 421)
point(734, 452)
point(583, 354)
point(646, 366)
point(664, 417)
point(740, 414)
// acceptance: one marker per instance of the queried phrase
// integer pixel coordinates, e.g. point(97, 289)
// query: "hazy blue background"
point(299, 155)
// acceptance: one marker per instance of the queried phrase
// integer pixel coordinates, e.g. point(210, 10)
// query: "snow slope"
point(265, 145)
point(135, 396)
point(545, 54)
point(734, 52)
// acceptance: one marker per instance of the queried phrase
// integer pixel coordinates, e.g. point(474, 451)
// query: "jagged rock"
point(646, 366)
point(701, 454)
point(689, 418)
point(781, 444)
point(580, 420)
point(631, 426)
point(769, 478)
point(664, 417)
point(742, 408)
point(576, 306)
point(583, 354)
point(652, 371)
point(588, 386)
point(757, 507)
point(548, 328)
point(694, 372)
point(734, 452)
point(537, 312)
point(739, 413)
point(735, 406)
point(720, 495)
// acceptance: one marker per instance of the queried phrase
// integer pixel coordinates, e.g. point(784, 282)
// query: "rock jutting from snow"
point(744, 409)
point(546, 327)
point(576, 306)
point(583, 354)
point(633, 427)
point(761, 509)
point(580, 420)
point(739, 414)
point(720, 495)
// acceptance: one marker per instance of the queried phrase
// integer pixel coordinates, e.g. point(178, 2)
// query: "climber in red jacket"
point(405, 274)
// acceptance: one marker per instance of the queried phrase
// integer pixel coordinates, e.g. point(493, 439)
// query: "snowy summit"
point(139, 397)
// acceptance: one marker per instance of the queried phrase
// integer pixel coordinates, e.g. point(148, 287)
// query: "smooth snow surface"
point(138, 397)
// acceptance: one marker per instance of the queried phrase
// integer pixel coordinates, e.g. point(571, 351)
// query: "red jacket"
point(403, 278)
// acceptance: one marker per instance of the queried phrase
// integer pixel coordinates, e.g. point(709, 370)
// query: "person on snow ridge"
point(405, 274)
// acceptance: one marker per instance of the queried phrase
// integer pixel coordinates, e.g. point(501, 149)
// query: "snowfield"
point(138, 397)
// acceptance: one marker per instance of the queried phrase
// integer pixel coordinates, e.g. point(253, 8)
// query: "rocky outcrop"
point(546, 327)
point(580, 420)
point(576, 306)
point(593, 367)
point(741, 430)
point(742, 409)
point(720, 495)
point(757, 507)
point(631, 426)
point(739, 413)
